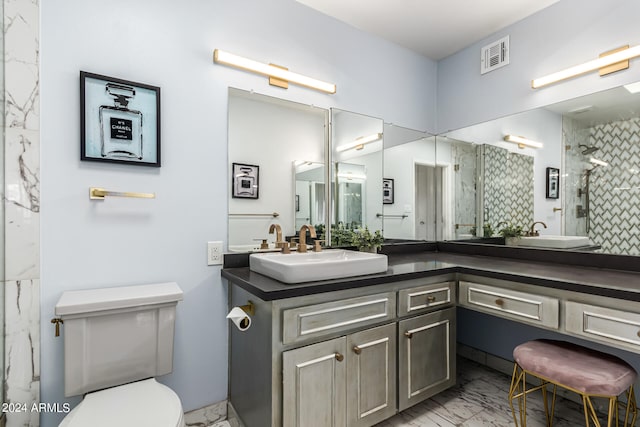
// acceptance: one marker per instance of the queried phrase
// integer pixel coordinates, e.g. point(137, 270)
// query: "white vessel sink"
point(556, 242)
point(307, 267)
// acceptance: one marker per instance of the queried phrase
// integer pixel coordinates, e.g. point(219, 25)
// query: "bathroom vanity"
point(356, 351)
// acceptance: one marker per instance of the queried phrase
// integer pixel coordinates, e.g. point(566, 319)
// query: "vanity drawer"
point(525, 307)
point(608, 325)
point(322, 319)
point(425, 298)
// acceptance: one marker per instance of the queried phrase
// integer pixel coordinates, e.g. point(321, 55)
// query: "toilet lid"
point(142, 403)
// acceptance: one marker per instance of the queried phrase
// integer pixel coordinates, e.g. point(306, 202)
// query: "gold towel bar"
point(100, 193)
point(273, 214)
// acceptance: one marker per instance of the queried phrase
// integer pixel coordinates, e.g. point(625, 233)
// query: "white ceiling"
point(433, 28)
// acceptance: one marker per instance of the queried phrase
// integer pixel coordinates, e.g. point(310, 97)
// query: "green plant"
point(341, 235)
point(363, 239)
point(511, 231)
point(487, 230)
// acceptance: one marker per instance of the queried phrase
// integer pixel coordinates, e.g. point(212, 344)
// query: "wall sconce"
point(522, 142)
point(349, 176)
point(359, 143)
point(598, 162)
point(633, 87)
point(278, 76)
point(608, 62)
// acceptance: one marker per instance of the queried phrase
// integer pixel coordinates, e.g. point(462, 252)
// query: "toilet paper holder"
point(249, 308)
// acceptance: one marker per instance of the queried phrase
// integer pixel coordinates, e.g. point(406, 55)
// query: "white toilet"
point(116, 340)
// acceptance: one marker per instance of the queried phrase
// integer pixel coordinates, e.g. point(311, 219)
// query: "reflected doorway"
point(429, 201)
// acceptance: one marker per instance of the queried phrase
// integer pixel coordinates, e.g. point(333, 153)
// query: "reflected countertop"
point(597, 281)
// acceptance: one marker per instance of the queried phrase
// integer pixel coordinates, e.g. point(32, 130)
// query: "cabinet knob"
point(638, 334)
point(499, 302)
point(339, 357)
point(431, 298)
point(408, 334)
point(356, 349)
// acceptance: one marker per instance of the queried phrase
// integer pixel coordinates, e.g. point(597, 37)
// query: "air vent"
point(494, 55)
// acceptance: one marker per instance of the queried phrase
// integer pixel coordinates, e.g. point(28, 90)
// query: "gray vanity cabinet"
point(427, 356)
point(345, 381)
point(332, 359)
point(371, 375)
point(314, 384)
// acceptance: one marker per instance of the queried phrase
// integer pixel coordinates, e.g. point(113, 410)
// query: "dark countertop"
point(597, 281)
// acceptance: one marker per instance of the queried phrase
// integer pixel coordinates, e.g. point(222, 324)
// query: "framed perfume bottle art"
point(244, 181)
point(120, 121)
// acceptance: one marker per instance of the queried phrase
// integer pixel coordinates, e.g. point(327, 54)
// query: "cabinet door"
point(426, 364)
point(371, 376)
point(314, 385)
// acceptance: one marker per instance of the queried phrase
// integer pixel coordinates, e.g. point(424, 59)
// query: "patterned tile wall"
point(508, 187)
point(615, 189)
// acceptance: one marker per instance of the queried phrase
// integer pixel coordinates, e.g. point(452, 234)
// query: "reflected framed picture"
point(387, 191)
point(553, 183)
point(119, 121)
point(245, 181)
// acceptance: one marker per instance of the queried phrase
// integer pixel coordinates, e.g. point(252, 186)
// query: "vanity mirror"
point(592, 141)
point(410, 161)
point(356, 173)
point(287, 142)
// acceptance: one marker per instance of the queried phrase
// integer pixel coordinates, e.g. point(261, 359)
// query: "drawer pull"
point(431, 298)
point(408, 334)
point(499, 302)
point(638, 334)
point(356, 349)
point(339, 357)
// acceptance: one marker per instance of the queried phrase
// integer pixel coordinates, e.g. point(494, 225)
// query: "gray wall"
point(567, 33)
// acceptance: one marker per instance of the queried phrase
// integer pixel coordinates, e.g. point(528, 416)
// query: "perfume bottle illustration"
point(245, 182)
point(120, 127)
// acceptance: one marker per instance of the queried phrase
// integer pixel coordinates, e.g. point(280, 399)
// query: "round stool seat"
point(579, 368)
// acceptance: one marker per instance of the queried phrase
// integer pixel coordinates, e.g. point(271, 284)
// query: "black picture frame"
point(245, 181)
point(387, 191)
point(119, 121)
point(553, 183)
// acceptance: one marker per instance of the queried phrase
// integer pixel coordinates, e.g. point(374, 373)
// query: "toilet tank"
point(114, 336)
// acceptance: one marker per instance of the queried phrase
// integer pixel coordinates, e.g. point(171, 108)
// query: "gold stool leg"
point(589, 411)
point(516, 392)
point(613, 407)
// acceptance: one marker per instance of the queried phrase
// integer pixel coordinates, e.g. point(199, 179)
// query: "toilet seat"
point(142, 403)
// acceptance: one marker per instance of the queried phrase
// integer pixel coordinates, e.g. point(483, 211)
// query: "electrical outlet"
point(214, 253)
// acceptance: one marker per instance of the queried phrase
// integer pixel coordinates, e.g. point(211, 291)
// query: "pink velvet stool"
point(585, 371)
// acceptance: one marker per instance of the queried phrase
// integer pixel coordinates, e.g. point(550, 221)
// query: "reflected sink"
point(555, 242)
point(307, 267)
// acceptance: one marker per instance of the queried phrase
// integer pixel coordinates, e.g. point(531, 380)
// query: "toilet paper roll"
point(239, 318)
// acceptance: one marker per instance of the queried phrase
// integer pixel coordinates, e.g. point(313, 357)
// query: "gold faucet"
point(533, 232)
point(278, 230)
point(302, 243)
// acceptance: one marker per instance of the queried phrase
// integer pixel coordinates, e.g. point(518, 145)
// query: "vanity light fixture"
point(349, 176)
point(359, 143)
point(608, 62)
point(633, 87)
point(278, 76)
point(598, 162)
point(522, 141)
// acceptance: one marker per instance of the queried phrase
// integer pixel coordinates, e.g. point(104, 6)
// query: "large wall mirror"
point(412, 180)
point(583, 182)
point(356, 150)
point(276, 166)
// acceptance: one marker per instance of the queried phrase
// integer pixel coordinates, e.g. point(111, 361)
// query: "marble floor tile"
point(480, 399)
